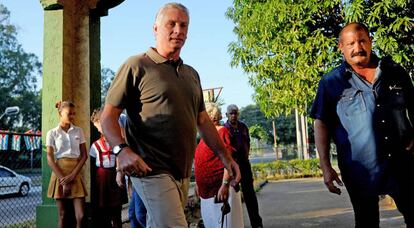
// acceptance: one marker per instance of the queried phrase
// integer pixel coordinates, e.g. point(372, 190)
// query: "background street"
point(285, 203)
point(307, 203)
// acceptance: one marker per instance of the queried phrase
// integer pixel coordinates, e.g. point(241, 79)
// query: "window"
point(5, 173)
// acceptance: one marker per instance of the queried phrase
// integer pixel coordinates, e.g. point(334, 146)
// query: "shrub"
point(282, 169)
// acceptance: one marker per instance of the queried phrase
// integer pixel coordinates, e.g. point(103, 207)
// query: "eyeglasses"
point(233, 113)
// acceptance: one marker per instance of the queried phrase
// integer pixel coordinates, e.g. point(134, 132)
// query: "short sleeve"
point(50, 141)
point(321, 103)
point(118, 89)
point(224, 134)
point(201, 106)
point(82, 136)
point(92, 151)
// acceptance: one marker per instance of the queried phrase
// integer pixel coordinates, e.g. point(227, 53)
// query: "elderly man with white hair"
point(240, 140)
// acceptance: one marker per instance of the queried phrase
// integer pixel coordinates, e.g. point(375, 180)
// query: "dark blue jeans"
point(399, 185)
point(137, 212)
point(366, 209)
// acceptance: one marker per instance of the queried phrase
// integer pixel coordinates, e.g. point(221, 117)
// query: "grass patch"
point(282, 169)
point(26, 224)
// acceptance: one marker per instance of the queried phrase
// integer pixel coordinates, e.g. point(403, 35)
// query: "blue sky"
point(127, 30)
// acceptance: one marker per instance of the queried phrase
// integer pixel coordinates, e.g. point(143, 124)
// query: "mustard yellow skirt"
point(77, 186)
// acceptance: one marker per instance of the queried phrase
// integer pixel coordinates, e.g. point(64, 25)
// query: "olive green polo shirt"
point(162, 100)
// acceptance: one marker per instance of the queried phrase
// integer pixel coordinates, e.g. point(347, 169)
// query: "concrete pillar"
point(71, 71)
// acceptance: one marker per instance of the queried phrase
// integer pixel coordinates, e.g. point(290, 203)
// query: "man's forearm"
point(110, 126)
point(322, 140)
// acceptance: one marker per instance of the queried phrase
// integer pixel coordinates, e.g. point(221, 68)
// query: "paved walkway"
point(307, 203)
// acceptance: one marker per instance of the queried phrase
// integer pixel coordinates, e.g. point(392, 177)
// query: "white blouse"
point(65, 144)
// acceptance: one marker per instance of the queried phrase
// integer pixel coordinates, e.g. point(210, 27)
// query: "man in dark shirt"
point(366, 106)
point(240, 140)
point(164, 106)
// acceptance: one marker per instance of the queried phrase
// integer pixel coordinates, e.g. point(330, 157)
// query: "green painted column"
point(71, 71)
point(52, 90)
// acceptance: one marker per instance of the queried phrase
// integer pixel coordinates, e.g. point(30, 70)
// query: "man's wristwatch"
point(226, 182)
point(118, 148)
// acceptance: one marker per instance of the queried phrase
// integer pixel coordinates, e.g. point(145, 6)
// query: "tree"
point(286, 46)
point(251, 115)
point(19, 72)
point(30, 103)
point(286, 129)
point(107, 75)
point(257, 132)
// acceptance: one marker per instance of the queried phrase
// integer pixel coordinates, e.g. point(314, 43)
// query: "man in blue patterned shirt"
point(365, 105)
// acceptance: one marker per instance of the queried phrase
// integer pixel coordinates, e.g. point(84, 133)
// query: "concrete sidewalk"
point(307, 203)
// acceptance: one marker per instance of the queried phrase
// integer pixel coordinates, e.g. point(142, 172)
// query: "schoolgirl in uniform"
point(66, 155)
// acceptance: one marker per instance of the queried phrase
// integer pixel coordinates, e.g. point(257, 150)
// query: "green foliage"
point(107, 75)
point(19, 72)
point(252, 116)
point(29, 223)
point(285, 125)
point(257, 132)
point(286, 46)
point(30, 103)
point(286, 129)
point(282, 169)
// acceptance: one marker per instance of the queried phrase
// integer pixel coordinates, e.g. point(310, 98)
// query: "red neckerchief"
point(103, 150)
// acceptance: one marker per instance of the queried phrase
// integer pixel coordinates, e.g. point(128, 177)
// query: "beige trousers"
point(164, 198)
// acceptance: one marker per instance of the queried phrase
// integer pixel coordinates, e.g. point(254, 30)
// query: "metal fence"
point(20, 179)
point(266, 153)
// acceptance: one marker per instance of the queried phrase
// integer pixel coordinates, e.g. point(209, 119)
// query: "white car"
point(12, 182)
